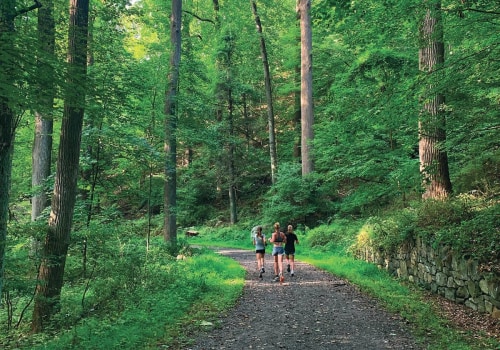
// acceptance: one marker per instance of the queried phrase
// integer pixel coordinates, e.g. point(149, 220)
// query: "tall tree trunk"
point(233, 211)
point(306, 93)
point(56, 243)
point(90, 175)
point(41, 163)
point(42, 145)
point(219, 97)
point(7, 122)
point(170, 195)
point(269, 95)
point(432, 132)
point(226, 65)
point(6, 150)
point(8, 119)
point(297, 115)
point(222, 92)
point(6, 147)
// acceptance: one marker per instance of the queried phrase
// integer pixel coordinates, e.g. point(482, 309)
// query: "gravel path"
point(312, 310)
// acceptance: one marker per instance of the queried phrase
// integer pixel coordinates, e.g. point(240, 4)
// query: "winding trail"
point(313, 310)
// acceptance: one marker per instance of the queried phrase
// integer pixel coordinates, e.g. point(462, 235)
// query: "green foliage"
point(196, 197)
point(336, 236)
point(295, 199)
point(127, 298)
point(224, 235)
point(365, 148)
point(434, 214)
point(386, 233)
point(466, 224)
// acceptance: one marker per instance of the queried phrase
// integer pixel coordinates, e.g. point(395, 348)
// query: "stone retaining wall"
point(457, 278)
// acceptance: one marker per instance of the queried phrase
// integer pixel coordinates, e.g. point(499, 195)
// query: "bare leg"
point(280, 264)
point(281, 278)
point(276, 265)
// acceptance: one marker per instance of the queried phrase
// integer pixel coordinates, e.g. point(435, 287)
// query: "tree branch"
point(482, 11)
point(198, 17)
point(37, 5)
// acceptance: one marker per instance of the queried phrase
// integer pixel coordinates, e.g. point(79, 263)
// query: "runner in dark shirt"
point(291, 239)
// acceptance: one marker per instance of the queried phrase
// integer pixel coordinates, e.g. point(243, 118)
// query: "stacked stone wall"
point(456, 277)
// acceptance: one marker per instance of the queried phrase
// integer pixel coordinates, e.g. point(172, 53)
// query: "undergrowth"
point(466, 224)
point(129, 298)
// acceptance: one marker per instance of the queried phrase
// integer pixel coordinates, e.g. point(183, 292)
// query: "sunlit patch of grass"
point(159, 315)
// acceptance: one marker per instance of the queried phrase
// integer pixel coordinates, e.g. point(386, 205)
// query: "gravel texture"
point(312, 310)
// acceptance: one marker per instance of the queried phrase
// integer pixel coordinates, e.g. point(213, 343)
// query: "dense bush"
point(337, 236)
point(466, 224)
point(295, 199)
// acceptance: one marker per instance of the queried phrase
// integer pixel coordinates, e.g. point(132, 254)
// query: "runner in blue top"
point(278, 239)
point(259, 241)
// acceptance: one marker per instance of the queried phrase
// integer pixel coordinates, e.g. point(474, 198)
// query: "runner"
point(278, 239)
point(291, 239)
point(259, 241)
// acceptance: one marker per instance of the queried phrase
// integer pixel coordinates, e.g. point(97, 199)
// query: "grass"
point(179, 297)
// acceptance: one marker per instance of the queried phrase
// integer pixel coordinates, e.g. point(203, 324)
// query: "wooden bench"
point(191, 233)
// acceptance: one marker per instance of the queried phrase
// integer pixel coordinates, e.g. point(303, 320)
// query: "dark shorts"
point(289, 252)
point(260, 251)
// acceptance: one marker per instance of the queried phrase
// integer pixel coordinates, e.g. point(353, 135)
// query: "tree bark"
point(233, 211)
point(56, 243)
point(170, 195)
point(297, 113)
point(306, 93)
point(42, 145)
point(432, 133)
point(41, 163)
point(269, 95)
point(223, 95)
point(6, 150)
point(7, 8)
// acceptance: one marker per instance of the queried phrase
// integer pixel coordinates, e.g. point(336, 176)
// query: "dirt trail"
point(312, 310)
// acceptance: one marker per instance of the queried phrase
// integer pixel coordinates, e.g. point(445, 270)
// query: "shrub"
point(296, 199)
point(335, 237)
point(436, 214)
point(471, 227)
point(389, 232)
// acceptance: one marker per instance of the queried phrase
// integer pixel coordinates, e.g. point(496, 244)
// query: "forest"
point(125, 124)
